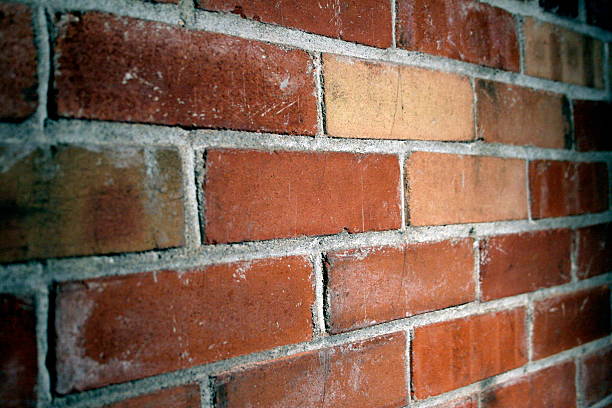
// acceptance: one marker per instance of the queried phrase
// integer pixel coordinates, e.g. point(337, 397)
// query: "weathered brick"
point(556, 53)
point(597, 375)
point(18, 79)
point(551, 387)
point(469, 402)
point(567, 321)
point(560, 188)
point(515, 115)
point(518, 263)
point(451, 189)
point(18, 360)
point(69, 200)
point(123, 69)
point(456, 353)
point(460, 29)
point(122, 328)
point(599, 13)
point(254, 195)
point(342, 376)
point(187, 396)
point(592, 124)
point(564, 8)
point(362, 21)
point(384, 101)
point(594, 250)
point(373, 285)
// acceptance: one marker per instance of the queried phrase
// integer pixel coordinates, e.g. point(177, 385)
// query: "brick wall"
point(361, 203)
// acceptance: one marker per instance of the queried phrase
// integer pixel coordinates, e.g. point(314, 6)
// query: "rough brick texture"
point(519, 263)
point(342, 376)
point(452, 189)
point(187, 396)
point(384, 101)
point(550, 387)
point(373, 285)
point(567, 321)
point(594, 250)
point(460, 29)
point(18, 79)
point(456, 353)
point(121, 328)
point(592, 124)
point(18, 361)
point(560, 188)
point(253, 195)
point(469, 402)
point(597, 375)
point(69, 200)
point(226, 82)
point(521, 116)
point(556, 53)
point(362, 21)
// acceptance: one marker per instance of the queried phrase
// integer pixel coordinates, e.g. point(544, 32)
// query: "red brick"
point(567, 321)
point(18, 360)
point(123, 69)
point(597, 375)
point(187, 396)
point(550, 387)
point(469, 402)
point(556, 53)
point(453, 189)
point(460, 29)
point(373, 285)
point(519, 263)
point(521, 116)
point(68, 200)
point(456, 353)
point(560, 188)
point(592, 124)
point(344, 376)
point(594, 249)
point(362, 21)
point(254, 195)
point(118, 329)
point(18, 78)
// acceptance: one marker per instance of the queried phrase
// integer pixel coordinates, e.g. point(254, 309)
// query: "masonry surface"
point(366, 204)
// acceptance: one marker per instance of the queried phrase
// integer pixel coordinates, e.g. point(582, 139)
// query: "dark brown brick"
point(18, 78)
point(68, 200)
point(563, 8)
point(460, 29)
point(597, 375)
point(123, 69)
point(592, 124)
point(118, 329)
point(255, 195)
point(599, 13)
point(362, 21)
point(345, 376)
point(18, 360)
point(187, 396)
point(594, 250)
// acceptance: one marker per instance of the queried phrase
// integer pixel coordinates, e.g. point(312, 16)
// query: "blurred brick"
point(592, 124)
point(597, 375)
point(594, 250)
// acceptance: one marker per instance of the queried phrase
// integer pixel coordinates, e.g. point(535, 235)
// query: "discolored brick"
point(187, 396)
point(469, 402)
point(561, 188)
point(518, 263)
point(452, 189)
point(373, 285)
point(340, 377)
point(597, 375)
point(460, 29)
point(521, 116)
point(18, 77)
point(383, 101)
point(80, 200)
point(361, 21)
point(456, 353)
point(118, 329)
point(18, 360)
point(563, 322)
point(592, 124)
point(556, 53)
point(124, 69)
point(255, 195)
point(594, 250)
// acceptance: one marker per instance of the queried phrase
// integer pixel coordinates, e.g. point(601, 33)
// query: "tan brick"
point(384, 101)
point(556, 53)
point(452, 189)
